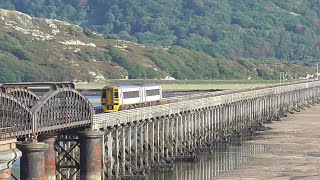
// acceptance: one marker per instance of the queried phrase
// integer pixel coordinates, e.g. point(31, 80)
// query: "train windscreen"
point(104, 94)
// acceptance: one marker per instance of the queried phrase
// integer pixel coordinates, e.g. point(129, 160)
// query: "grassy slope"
point(267, 29)
point(35, 50)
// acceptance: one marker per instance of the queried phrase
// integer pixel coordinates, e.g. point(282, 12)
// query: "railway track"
point(169, 94)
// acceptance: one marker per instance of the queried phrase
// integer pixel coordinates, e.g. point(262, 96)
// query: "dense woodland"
point(262, 29)
point(184, 39)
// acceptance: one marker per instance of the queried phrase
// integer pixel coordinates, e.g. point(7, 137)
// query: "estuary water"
point(223, 159)
point(212, 165)
point(95, 100)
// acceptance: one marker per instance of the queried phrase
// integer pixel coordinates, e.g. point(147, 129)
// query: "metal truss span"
point(25, 114)
point(61, 109)
point(16, 118)
point(24, 95)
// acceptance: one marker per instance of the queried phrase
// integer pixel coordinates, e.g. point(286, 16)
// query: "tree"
point(222, 25)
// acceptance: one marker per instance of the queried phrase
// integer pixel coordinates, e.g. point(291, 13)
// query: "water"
point(95, 100)
point(15, 170)
point(211, 165)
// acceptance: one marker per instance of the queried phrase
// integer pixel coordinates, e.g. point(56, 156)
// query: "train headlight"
point(109, 107)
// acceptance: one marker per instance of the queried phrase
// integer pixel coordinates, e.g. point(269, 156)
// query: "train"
point(117, 97)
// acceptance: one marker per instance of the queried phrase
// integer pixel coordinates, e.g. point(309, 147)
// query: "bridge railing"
point(6, 133)
point(228, 92)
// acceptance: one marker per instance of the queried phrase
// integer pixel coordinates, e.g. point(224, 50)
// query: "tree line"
point(262, 29)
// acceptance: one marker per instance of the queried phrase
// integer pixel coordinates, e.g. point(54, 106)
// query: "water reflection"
point(211, 165)
point(15, 170)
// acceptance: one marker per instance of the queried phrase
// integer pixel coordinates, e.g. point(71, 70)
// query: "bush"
point(19, 36)
point(17, 52)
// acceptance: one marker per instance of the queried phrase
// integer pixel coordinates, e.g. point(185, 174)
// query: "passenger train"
point(120, 97)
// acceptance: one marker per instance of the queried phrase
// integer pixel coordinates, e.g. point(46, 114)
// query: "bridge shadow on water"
point(223, 158)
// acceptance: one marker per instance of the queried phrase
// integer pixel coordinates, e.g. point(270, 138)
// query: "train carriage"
point(119, 97)
point(152, 92)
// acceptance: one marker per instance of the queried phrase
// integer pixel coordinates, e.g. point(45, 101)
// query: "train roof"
point(135, 85)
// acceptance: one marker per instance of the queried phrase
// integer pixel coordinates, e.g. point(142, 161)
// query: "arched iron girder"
point(24, 95)
point(61, 109)
point(2, 89)
point(15, 116)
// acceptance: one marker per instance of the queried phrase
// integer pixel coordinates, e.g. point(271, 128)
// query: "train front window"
point(104, 94)
point(116, 95)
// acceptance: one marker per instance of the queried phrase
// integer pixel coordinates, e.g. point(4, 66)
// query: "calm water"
point(15, 170)
point(211, 165)
point(95, 100)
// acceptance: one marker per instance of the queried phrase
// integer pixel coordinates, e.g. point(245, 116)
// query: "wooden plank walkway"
point(294, 154)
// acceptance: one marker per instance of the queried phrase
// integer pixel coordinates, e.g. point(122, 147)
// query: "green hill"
point(262, 29)
point(38, 49)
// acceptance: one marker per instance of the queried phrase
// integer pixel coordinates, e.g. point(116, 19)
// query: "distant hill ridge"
point(287, 30)
point(38, 49)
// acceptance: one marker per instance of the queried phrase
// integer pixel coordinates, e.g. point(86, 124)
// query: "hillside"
point(38, 49)
point(287, 30)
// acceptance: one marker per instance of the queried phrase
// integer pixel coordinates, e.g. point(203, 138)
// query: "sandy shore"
point(295, 150)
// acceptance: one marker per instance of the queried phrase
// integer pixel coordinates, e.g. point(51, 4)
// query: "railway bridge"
point(58, 136)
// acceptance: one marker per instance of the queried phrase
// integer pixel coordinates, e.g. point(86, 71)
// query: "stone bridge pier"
point(8, 155)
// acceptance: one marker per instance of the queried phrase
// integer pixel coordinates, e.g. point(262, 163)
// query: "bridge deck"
point(105, 120)
point(24, 113)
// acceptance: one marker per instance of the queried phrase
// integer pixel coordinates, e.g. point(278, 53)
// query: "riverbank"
point(295, 152)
